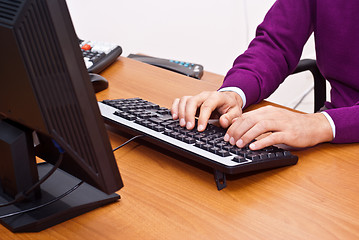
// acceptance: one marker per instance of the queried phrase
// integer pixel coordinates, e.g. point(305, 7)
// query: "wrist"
point(323, 128)
point(237, 98)
point(238, 91)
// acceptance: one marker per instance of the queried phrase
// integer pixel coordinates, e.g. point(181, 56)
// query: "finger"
point(240, 125)
point(232, 110)
point(174, 108)
point(249, 126)
point(193, 104)
point(231, 116)
point(271, 139)
point(239, 128)
point(227, 105)
point(206, 110)
point(261, 127)
point(182, 110)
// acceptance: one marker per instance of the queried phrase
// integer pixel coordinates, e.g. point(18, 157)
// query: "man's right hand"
point(226, 106)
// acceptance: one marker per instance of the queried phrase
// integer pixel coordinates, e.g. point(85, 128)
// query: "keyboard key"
point(253, 156)
point(287, 154)
point(168, 132)
point(181, 137)
point(146, 123)
point(152, 125)
point(223, 153)
point(279, 154)
point(189, 140)
point(214, 149)
point(239, 159)
point(263, 156)
point(159, 128)
point(206, 147)
point(156, 120)
point(174, 134)
point(236, 150)
point(199, 144)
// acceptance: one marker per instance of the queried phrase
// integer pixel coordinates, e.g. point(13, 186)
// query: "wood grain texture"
point(165, 198)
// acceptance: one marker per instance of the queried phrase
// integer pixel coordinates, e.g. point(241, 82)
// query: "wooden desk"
point(164, 198)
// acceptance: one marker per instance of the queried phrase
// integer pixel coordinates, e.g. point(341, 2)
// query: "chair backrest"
point(319, 81)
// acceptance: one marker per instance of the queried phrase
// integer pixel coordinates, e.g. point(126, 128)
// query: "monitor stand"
point(83, 199)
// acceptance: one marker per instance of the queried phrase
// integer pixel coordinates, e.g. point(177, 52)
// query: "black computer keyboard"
point(137, 116)
point(99, 55)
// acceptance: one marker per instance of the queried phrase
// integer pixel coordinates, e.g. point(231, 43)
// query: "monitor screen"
point(46, 94)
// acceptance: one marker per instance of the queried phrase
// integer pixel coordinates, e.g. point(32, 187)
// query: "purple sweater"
point(277, 48)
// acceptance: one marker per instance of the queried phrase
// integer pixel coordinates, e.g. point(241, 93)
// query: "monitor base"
point(83, 199)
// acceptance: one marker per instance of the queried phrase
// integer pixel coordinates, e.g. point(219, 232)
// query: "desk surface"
point(164, 198)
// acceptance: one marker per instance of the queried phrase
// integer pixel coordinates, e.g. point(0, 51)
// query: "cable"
point(23, 195)
point(44, 178)
point(45, 204)
point(127, 142)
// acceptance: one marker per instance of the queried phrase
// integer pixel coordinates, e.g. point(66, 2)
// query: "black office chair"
point(319, 81)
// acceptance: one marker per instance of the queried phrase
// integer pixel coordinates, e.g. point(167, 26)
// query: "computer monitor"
point(48, 109)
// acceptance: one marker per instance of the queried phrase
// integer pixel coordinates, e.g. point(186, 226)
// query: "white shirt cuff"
point(331, 122)
point(236, 90)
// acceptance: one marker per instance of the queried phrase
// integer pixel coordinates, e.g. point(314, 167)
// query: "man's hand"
point(223, 105)
point(284, 127)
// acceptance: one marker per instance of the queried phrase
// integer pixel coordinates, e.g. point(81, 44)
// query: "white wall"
point(209, 32)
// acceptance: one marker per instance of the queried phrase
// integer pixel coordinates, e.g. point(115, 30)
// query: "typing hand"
point(223, 105)
point(284, 126)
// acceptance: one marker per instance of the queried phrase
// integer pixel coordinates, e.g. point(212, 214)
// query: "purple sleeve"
point(346, 121)
point(275, 51)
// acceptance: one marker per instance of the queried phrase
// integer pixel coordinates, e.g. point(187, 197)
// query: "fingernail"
point(231, 141)
point(225, 123)
point(252, 146)
point(200, 128)
point(226, 137)
point(182, 122)
point(174, 116)
point(189, 125)
point(239, 143)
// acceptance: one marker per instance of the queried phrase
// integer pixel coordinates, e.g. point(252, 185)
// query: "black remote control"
point(186, 68)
